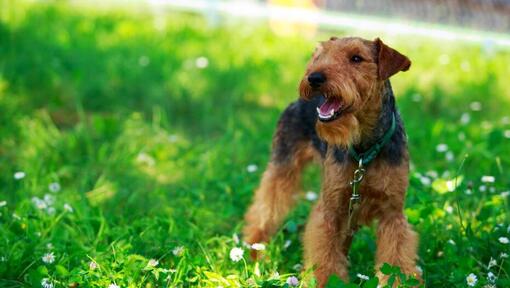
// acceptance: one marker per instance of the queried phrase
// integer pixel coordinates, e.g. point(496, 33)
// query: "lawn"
point(130, 144)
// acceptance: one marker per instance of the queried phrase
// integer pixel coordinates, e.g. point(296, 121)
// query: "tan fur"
point(383, 188)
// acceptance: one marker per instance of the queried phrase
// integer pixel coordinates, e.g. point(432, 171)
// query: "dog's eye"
point(356, 59)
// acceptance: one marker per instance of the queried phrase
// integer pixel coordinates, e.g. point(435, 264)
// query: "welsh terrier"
point(347, 120)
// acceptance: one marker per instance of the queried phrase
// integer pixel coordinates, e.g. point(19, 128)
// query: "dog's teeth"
point(318, 110)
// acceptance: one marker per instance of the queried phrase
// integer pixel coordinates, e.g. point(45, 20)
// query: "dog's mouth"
point(330, 108)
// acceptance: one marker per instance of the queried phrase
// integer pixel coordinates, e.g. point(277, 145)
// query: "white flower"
point(468, 191)
point(451, 242)
point(491, 277)
point(505, 193)
point(362, 277)
point(503, 255)
point(3, 203)
point(450, 184)
point(432, 174)
point(93, 265)
point(153, 263)
point(46, 283)
point(251, 168)
point(483, 188)
point(145, 159)
point(492, 263)
point(471, 280)
point(287, 244)
point(68, 208)
point(178, 251)
point(50, 210)
point(54, 187)
point(475, 106)
point(292, 281)
point(49, 199)
point(274, 275)
point(503, 240)
point(441, 147)
point(425, 181)
point(236, 254)
point(449, 156)
point(506, 133)
point(49, 246)
point(465, 118)
point(258, 246)
point(113, 285)
point(311, 196)
point(488, 179)
point(19, 175)
point(201, 62)
point(48, 258)
point(449, 209)
point(39, 203)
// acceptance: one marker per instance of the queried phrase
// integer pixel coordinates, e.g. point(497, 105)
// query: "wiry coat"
point(365, 90)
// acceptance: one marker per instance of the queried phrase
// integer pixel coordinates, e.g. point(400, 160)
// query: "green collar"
point(369, 155)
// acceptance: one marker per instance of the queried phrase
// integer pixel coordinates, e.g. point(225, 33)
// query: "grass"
point(148, 123)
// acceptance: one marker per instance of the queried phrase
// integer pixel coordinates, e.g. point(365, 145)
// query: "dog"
point(346, 119)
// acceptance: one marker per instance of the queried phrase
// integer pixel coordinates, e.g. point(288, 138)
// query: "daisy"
point(236, 254)
point(201, 62)
point(45, 283)
point(292, 281)
point(425, 181)
point(251, 168)
point(178, 251)
point(311, 196)
point(54, 187)
point(93, 265)
point(491, 277)
point(503, 240)
point(19, 175)
point(503, 255)
point(153, 263)
point(48, 258)
point(488, 179)
point(258, 246)
point(442, 148)
point(471, 280)
point(492, 263)
point(362, 277)
point(3, 203)
point(68, 208)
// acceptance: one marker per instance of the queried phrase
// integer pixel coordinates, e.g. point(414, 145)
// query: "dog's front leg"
point(323, 238)
point(396, 245)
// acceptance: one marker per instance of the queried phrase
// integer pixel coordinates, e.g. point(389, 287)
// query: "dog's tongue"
point(331, 104)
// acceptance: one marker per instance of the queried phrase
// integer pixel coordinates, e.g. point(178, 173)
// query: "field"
point(130, 145)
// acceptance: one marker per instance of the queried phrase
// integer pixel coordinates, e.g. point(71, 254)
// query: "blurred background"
point(133, 133)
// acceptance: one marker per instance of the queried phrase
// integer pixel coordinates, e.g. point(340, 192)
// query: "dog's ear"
point(389, 60)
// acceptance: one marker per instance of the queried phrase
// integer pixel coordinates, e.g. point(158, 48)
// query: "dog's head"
point(348, 74)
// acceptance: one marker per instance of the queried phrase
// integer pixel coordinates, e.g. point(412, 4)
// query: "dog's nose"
point(316, 79)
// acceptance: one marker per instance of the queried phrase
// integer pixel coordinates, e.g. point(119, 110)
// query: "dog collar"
point(370, 154)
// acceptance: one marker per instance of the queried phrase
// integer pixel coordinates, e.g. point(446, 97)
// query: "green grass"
point(151, 151)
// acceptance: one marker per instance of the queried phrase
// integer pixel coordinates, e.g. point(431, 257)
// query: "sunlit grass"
point(157, 133)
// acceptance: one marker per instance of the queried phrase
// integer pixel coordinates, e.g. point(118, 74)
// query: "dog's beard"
point(340, 132)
